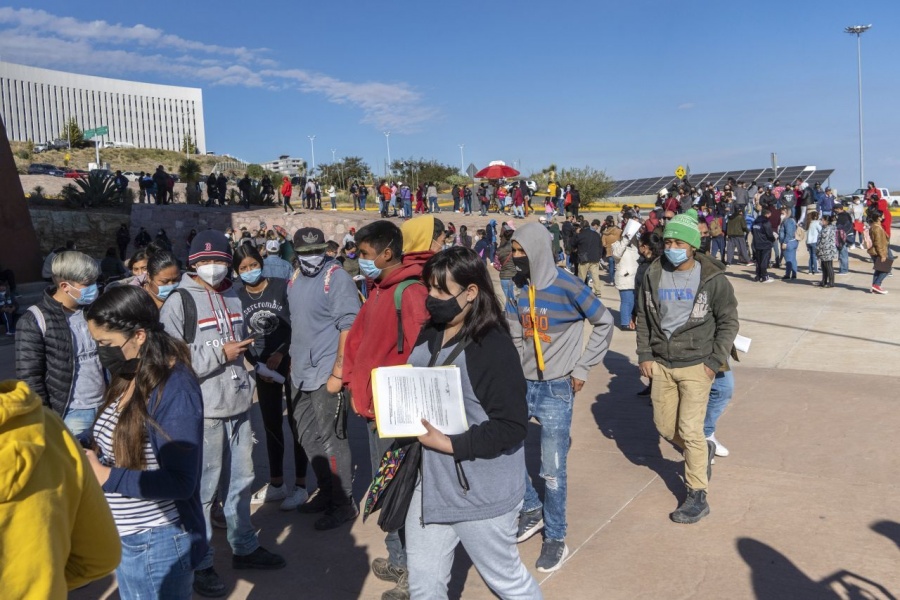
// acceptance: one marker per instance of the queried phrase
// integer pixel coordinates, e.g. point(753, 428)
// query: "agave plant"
point(97, 189)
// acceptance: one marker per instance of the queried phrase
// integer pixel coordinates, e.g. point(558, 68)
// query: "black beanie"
point(210, 245)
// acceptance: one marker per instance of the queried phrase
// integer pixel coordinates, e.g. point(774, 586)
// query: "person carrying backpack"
point(384, 333)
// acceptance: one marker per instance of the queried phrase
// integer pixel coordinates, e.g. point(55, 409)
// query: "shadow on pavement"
point(627, 419)
point(889, 529)
point(775, 577)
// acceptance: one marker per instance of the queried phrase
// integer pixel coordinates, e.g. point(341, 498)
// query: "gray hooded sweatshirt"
point(562, 304)
point(227, 386)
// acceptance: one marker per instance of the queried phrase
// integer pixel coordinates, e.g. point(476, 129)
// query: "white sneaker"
point(297, 497)
point(720, 449)
point(269, 493)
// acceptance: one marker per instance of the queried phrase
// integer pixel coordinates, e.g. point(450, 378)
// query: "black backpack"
point(189, 308)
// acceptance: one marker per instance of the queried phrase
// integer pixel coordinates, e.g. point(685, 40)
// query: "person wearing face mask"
point(163, 276)
point(384, 336)
point(471, 487)
point(686, 324)
point(547, 317)
point(323, 304)
point(266, 313)
point(206, 313)
point(146, 446)
point(55, 354)
point(763, 240)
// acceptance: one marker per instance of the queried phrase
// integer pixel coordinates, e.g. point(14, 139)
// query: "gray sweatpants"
point(490, 543)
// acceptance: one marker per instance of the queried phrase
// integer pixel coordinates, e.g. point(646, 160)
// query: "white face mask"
point(212, 274)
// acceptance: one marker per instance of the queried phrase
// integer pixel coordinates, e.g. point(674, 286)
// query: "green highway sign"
point(91, 133)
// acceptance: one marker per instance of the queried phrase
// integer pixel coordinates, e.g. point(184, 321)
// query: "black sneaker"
point(385, 571)
point(258, 559)
point(553, 554)
point(692, 509)
point(336, 516)
point(710, 458)
point(401, 591)
point(530, 523)
point(316, 503)
point(208, 584)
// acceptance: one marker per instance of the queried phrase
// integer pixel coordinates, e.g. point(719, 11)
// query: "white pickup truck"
point(885, 193)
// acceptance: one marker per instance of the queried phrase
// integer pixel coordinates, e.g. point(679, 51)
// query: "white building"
point(36, 103)
point(286, 165)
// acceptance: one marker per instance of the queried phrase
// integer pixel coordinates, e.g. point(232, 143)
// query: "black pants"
point(762, 264)
point(272, 408)
point(827, 272)
point(286, 200)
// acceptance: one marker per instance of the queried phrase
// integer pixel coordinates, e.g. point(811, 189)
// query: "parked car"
point(75, 174)
point(885, 193)
point(531, 185)
point(38, 148)
point(131, 175)
point(105, 173)
point(58, 144)
point(43, 169)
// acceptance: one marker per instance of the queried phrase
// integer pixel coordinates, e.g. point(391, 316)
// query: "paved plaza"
point(806, 506)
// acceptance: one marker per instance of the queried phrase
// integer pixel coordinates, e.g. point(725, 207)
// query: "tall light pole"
point(462, 160)
point(332, 155)
point(387, 139)
point(312, 147)
point(858, 30)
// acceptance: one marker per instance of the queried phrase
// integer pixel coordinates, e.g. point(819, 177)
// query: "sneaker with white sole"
point(553, 555)
point(269, 493)
point(530, 523)
point(720, 449)
point(297, 497)
point(876, 289)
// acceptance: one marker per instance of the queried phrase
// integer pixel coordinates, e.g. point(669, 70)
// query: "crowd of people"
point(153, 367)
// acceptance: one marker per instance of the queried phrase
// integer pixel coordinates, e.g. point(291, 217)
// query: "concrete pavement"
point(806, 506)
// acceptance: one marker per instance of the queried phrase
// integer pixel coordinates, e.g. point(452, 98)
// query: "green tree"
point(255, 171)
point(189, 172)
point(187, 145)
point(353, 168)
point(416, 171)
point(593, 184)
point(72, 132)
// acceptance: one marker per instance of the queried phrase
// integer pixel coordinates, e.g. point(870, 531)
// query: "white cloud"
point(686, 106)
point(39, 38)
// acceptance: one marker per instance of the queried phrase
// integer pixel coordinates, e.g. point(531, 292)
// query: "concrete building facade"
point(286, 165)
point(36, 103)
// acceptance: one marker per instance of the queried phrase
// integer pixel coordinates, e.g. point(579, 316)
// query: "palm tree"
point(189, 172)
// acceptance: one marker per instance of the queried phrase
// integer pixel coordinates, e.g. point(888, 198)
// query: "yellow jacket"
point(58, 532)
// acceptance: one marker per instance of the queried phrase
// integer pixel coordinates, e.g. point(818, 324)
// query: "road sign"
point(91, 133)
point(680, 172)
point(472, 170)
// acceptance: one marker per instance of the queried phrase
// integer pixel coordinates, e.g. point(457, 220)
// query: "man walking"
point(324, 303)
point(546, 317)
point(686, 325)
point(587, 244)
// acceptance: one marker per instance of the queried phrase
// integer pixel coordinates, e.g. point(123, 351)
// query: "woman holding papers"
point(265, 308)
point(471, 485)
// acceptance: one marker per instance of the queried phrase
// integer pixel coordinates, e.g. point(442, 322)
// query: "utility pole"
point(312, 147)
point(387, 139)
point(462, 159)
point(858, 30)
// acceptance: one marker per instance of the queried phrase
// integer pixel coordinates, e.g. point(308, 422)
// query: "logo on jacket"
point(701, 306)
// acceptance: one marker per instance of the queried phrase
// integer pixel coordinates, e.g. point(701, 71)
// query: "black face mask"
point(443, 311)
point(704, 245)
point(523, 271)
point(112, 358)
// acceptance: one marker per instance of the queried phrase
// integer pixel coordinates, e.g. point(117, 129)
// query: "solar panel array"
point(649, 186)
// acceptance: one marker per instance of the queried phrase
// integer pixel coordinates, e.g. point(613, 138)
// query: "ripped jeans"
point(550, 402)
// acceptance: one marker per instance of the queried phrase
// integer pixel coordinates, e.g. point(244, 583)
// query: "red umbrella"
point(500, 171)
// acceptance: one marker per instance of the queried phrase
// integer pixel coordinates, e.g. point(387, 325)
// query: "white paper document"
point(742, 344)
point(406, 395)
point(265, 371)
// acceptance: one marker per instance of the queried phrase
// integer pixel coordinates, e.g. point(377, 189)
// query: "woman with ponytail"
point(146, 446)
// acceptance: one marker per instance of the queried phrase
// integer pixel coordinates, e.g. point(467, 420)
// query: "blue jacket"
point(786, 231)
point(177, 443)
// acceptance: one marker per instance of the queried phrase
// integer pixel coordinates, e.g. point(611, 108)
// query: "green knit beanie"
point(683, 227)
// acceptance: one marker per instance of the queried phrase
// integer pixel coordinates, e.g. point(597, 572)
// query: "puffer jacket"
point(626, 256)
point(826, 248)
point(45, 361)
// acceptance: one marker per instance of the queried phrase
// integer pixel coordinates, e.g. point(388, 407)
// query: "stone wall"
point(92, 230)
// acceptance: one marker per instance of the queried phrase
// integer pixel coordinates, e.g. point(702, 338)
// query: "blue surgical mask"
point(368, 268)
point(252, 277)
point(676, 256)
point(87, 295)
point(166, 290)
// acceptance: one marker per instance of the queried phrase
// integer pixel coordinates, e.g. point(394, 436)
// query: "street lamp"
point(858, 30)
point(462, 160)
point(332, 155)
point(387, 139)
point(312, 147)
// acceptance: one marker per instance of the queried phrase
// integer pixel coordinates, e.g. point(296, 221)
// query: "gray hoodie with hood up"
point(226, 386)
point(562, 304)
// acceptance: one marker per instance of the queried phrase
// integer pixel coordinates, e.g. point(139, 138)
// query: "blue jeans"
point(611, 265)
point(718, 247)
point(467, 205)
point(509, 289)
point(433, 203)
point(719, 396)
point(79, 420)
point(844, 257)
point(626, 307)
point(230, 438)
point(362, 203)
point(878, 278)
point(813, 263)
point(519, 211)
point(790, 258)
point(550, 402)
point(407, 209)
point(156, 563)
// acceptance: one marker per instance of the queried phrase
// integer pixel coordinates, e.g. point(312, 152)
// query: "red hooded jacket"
point(372, 341)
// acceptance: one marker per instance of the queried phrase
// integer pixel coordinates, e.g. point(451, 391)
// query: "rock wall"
point(92, 230)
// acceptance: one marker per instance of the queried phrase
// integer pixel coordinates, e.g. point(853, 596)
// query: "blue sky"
point(634, 88)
